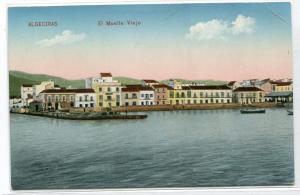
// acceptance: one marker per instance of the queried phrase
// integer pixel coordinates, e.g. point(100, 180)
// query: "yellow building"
point(108, 91)
point(284, 86)
point(179, 94)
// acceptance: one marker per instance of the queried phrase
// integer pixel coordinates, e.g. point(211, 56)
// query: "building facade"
point(108, 91)
point(248, 95)
point(26, 94)
point(146, 96)
point(130, 96)
point(161, 94)
point(211, 94)
point(64, 99)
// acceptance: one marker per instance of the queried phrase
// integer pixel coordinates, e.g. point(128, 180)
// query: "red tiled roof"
point(68, 91)
point(105, 74)
point(211, 87)
point(247, 89)
point(162, 86)
point(136, 88)
point(283, 83)
point(150, 81)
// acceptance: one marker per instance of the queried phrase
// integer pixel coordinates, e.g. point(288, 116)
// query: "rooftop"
point(211, 87)
point(150, 81)
point(247, 89)
point(62, 90)
point(105, 74)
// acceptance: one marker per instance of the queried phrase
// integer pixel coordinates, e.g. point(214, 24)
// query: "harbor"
point(220, 147)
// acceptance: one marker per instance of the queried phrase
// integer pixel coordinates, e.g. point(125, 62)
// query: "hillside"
point(17, 78)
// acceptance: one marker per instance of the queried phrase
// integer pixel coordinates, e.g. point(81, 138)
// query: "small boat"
point(252, 111)
point(290, 112)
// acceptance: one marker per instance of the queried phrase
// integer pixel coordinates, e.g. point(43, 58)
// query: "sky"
point(191, 41)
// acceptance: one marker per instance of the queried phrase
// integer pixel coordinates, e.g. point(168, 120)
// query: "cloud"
point(219, 29)
point(64, 38)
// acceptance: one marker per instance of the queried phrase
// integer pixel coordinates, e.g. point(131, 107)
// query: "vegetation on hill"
point(18, 78)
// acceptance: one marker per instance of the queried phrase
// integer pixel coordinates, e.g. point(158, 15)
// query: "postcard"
point(170, 95)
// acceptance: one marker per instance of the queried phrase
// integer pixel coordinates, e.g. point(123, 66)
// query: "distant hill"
point(128, 80)
point(18, 78)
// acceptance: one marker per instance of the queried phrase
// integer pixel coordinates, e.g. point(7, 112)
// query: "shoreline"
point(194, 107)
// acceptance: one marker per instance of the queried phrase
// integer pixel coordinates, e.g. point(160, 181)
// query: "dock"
point(85, 116)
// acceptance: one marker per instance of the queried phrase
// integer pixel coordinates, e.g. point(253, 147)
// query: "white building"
point(85, 98)
point(146, 96)
point(26, 94)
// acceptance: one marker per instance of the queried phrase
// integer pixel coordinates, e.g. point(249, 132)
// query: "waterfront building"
point(137, 95)
point(179, 94)
point(130, 95)
point(161, 94)
point(108, 91)
point(283, 86)
point(282, 92)
point(64, 99)
point(26, 94)
point(211, 94)
point(248, 95)
point(146, 97)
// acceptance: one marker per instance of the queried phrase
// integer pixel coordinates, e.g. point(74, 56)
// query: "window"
point(151, 95)
point(86, 98)
point(126, 104)
point(195, 101)
point(86, 105)
point(142, 103)
point(222, 94)
point(117, 89)
point(92, 98)
point(100, 89)
point(64, 98)
point(49, 98)
point(182, 94)
point(134, 103)
point(217, 101)
point(142, 95)
point(100, 104)
point(109, 98)
point(80, 98)
point(171, 94)
point(101, 97)
point(222, 101)
point(56, 98)
point(92, 105)
point(177, 95)
point(108, 89)
point(134, 95)
point(80, 105)
point(117, 103)
point(71, 98)
point(126, 96)
point(118, 97)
